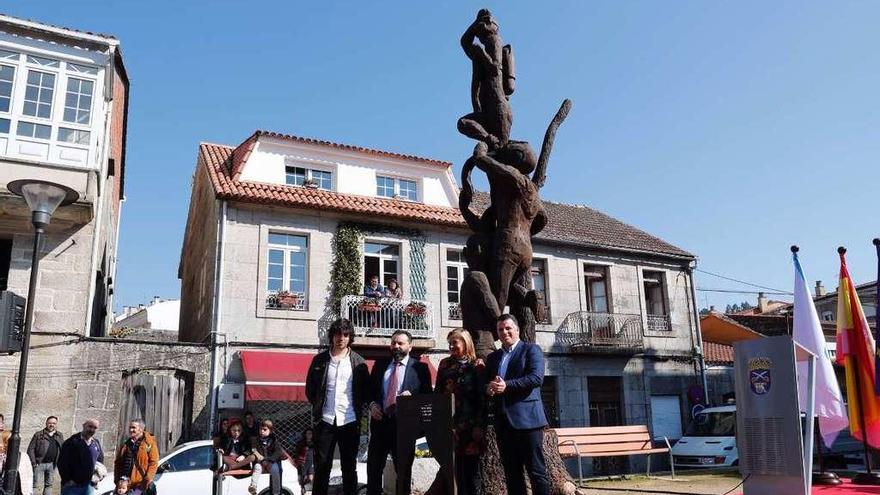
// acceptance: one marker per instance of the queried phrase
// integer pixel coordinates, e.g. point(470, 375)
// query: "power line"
point(780, 291)
point(745, 292)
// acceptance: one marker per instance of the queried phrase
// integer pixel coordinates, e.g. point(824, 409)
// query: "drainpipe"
point(698, 337)
point(216, 309)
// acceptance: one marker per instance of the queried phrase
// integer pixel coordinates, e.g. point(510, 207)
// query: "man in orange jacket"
point(137, 460)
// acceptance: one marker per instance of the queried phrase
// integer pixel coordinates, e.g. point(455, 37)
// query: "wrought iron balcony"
point(382, 316)
point(658, 323)
point(453, 311)
point(602, 332)
point(286, 301)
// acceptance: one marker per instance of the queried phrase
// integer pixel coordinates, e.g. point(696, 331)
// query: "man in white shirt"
point(337, 386)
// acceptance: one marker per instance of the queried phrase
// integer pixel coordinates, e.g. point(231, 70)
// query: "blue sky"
point(729, 129)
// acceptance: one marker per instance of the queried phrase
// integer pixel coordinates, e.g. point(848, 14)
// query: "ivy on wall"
point(345, 276)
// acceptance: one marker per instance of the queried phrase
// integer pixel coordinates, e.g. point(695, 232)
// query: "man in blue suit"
point(518, 368)
point(401, 375)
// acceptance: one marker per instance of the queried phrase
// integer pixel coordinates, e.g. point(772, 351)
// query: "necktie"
point(391, 393)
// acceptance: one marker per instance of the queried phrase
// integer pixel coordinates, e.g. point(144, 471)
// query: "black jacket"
point(316, 383)
point(272, 452)
point(40, 444)
point(244, 445)
point(75, 461)
point(416, 378)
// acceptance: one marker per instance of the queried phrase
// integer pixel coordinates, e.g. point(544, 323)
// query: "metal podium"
point(775, 445)
point(428, 415)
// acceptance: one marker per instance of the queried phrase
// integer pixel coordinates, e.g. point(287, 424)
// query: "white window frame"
point(396, 181)
point(23, 62)
point(77, 108)
point(15, 71)
point(52, 102)
point(287, 250)
point(382, 257)
point(461, 270)
point(544, 263)
point(308, 175)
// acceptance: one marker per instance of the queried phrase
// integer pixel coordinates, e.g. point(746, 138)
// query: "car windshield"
point(713, 424)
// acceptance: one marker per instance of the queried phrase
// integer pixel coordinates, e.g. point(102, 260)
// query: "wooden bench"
point(606, 441)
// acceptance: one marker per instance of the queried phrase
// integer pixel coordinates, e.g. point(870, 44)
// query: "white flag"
point(807, 332)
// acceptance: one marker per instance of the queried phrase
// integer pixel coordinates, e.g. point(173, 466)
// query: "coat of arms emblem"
point(759, 375)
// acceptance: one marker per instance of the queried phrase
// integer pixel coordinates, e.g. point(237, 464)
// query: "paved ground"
point(688, 482)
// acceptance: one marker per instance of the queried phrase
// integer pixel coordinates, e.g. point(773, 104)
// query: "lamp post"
point(42, 198)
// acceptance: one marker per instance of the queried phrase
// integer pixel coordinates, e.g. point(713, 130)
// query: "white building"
point(63, 118)
point(269, 214)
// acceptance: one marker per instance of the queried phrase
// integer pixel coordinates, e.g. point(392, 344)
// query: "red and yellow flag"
point(855, 350)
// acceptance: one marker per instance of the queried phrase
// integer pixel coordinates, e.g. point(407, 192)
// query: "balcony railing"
point(453, 311)
point(602, 332)
point(382, 316)
point(286, 301)
point(658, 323)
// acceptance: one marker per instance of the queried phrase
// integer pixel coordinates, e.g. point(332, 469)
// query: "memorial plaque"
point(768, 426)
point(429, 416)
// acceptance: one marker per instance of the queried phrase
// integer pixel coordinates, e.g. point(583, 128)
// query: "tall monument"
point(499, 252)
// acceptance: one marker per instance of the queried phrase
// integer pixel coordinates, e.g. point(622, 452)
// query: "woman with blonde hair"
point(462, 374)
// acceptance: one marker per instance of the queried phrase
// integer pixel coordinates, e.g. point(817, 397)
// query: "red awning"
point(281, 376)
point(272, 375)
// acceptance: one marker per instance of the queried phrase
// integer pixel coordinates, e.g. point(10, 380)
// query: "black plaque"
point(428, 415)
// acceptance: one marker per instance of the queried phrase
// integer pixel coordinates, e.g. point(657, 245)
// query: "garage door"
point(665, 416)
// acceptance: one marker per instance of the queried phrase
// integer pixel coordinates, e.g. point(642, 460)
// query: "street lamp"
point(42, 198)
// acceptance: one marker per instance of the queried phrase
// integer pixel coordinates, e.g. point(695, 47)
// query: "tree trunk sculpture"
point(499, 252)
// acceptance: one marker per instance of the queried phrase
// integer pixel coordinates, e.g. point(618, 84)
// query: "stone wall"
point(76, 378)
point(63, 282)
point(197, 261)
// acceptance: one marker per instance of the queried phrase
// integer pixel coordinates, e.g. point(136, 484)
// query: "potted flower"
point(415, 309)
point(370, 304)
point(287, 299)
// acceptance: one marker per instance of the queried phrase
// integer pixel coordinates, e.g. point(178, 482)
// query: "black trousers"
point(518, 449)
point(326, 437)
point(383, 440)
point(467, 474)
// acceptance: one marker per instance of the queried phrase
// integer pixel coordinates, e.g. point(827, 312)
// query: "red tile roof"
point(717, 354)
point(218, 159)
point(570, 224)
point(349, 147)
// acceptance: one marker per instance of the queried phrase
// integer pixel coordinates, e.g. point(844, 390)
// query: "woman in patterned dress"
point(462, 374)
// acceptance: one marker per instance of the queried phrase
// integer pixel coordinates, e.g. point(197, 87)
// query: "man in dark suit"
point(518, 368)
point(400, 375)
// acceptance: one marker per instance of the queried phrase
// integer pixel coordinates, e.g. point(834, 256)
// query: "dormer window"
point(392, 187)
point(301, 176)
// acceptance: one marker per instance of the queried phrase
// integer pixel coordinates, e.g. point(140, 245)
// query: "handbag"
point(149, 489)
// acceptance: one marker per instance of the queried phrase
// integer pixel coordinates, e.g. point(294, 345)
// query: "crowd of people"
point(79, 459)
point(340, 386)
point(505, 387)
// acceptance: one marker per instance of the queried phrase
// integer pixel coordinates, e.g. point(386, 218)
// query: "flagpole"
point(820, 477)
point(868, 477)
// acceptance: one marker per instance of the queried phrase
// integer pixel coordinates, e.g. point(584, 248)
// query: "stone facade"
point(227, 240)
point(77, 378)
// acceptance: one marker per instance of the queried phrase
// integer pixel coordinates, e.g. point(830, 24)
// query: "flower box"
point(287, 300)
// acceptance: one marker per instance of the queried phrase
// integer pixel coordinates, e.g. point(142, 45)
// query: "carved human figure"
point(492, 82)
point(516, 206)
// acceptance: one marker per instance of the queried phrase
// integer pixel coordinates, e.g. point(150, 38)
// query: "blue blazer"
point(416, 378)
point(521, 402)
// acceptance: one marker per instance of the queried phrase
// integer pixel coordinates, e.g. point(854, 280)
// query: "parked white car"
point(710, 440)
point(188, 470)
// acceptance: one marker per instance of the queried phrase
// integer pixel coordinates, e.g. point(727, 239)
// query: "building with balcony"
point(63, 118)
point(269, 217)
